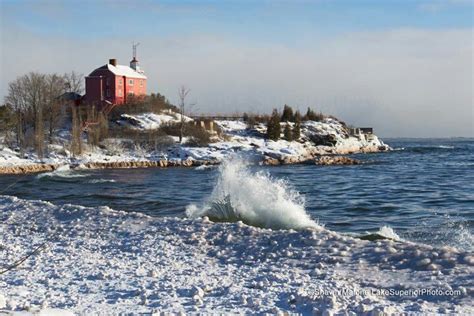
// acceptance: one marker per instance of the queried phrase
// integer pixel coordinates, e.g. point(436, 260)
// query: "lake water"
point(423, 190)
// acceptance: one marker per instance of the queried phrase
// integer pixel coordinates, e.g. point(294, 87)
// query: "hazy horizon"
point(403, 67)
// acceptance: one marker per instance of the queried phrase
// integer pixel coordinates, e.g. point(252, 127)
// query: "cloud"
point(404, 82)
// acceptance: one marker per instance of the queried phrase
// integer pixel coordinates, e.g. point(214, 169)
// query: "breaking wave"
point(61, 172)
point(253, 198)
point(428, 149)
point(205, 167)
point(94, 181)
point(384, 232)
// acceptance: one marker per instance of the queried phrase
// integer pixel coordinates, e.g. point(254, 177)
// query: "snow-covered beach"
point(103, 261)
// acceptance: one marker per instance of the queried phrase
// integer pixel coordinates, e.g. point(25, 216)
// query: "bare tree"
point(39, 133)
point(34, 86)
point(103, 126)
point(74, 82)
point(182, 94)
point(92, 128)
point(76, 141)
point(34, 98)
point(7, 124)
point(55, 87)
point(17, 101)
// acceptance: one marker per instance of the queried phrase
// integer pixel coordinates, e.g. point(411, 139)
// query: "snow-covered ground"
point(102, 261)
point(236, 137)
point(151, 120)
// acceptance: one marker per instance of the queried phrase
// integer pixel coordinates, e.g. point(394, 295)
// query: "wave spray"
point(256, 199)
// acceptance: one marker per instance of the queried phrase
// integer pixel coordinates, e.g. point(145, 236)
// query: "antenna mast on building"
point(134, 46)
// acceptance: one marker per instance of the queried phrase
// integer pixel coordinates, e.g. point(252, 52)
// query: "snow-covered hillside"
point(149, 121)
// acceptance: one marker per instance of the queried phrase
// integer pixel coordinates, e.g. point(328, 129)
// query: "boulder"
point(269, 161)
point(336, 160)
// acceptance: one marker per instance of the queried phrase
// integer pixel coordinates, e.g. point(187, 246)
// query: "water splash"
point(61, 172)
point(444, 229)
point(253, 198)
point(204, 167)
point(384, 232)
point(388, 232)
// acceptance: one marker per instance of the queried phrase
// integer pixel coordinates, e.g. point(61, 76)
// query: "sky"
point(404, 67)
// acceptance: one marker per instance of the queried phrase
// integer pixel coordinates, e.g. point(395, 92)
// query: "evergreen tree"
point(297, 117)
point(313, 116)
point(287, 133)
point(309, 115)
point(297, 127)
point(287, 115)
point(273, 126)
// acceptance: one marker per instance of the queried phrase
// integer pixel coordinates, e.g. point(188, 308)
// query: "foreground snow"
point(98, 260)
point(235, 138)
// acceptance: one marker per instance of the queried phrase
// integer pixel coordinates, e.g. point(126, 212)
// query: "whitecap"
point(62, 172)
point(388, 232)
point(101, 181)
point(205, 167)
point(446, 147)
point(384, 232)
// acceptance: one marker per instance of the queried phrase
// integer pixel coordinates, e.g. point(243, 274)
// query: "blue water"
point(424, 190)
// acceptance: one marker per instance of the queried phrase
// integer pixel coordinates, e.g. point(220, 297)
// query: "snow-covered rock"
point(151, 120)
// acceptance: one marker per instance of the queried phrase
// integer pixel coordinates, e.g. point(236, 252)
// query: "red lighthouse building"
point(113, 83)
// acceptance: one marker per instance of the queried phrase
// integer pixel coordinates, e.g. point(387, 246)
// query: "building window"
point(107, 81)
point(130, 82)
point(120, 82)
point(120, 92)
point(131, 92)
point(107, 93)
point(141, 83)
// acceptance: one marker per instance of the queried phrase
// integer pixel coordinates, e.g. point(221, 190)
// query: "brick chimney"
point(113, 62)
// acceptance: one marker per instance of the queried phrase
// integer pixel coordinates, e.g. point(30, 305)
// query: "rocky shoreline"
point(320, 143)
point(34, 168)
point(267, 161)
point(39, 168)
